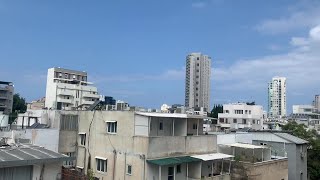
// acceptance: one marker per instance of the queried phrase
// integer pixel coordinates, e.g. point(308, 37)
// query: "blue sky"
point(135, 50)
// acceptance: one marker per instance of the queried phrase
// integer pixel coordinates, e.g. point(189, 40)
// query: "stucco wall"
point(51, 171)
point(119, 149)
point(275, 169)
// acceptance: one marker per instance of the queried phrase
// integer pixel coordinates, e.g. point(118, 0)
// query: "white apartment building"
point(277, 98)
point(317, 103)
point(241, 115)
point(197, 87)
point(69, 89)
point(307, 115)
point(303, 109)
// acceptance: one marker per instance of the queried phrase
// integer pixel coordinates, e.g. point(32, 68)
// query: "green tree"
point(19, 106)
point(313, 138)
point(217, 108)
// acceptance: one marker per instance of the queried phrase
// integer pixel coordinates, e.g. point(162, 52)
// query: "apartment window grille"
point(194, 126)
point(101, 164)
point(112, 126)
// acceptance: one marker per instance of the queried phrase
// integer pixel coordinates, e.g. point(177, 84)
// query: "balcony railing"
point(166, 146)
point(88, 95)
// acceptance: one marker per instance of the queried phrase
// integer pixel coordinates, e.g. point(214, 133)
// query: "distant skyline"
point(135, 50)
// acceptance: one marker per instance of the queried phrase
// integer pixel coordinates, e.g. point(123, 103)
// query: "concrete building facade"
point(142, 145)
point(69, 89)
point(241, 115)
point(317, 103)
point(277, 98)
point(6, 97)
point(280, 145)
point(197, 85)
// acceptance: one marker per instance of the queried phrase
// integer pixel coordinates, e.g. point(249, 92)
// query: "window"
point(249, 111)
point(178, 168)
point(194, 126)
point(82, 139)
point(221, 120)
point(234, 120)
point(246, 111)
point(198, 64)
point(101, 165)
point(129, 169)
point(238, 111)
point(112, 127)
point(258, 121)
point(253, 121)
point(161, 126)
point(227, 111)
point(244, 121)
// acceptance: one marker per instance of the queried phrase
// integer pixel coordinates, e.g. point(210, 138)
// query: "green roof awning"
point(173, 160)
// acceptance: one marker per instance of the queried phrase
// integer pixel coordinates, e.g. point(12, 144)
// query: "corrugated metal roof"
point(213, 156)
point(26, 154)
point(246, 146)
point(291, 138)
point(173, 160)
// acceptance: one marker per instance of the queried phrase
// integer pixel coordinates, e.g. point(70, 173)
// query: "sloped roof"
point(291, 138)
point(213, 156)
point(246, 146)
point(172, 160)
point(26, 154)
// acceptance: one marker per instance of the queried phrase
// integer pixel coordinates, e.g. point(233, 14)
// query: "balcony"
point(64, 93)
point(67, 101)
point(167, 146)
point(88, 95)
point(87, 102)
point(3, 96)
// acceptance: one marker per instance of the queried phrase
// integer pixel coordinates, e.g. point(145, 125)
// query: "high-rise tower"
point(277, 98)
point(198, 72)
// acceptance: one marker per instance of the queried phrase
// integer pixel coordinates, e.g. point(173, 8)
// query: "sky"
point(136, 50)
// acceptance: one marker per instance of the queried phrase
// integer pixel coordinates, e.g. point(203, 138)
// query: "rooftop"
point(291, 138)
point(27, 154)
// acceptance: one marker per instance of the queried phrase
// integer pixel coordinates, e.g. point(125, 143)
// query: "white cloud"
point(306, 15)
point(300, 66)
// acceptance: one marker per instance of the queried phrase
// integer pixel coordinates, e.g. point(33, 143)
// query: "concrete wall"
point(68, 141)
point(141, 125)
point(51, 171)
point(181, 145)
point(48, 138)
point(274, 169)
point(296, 164)
point(119, 149)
